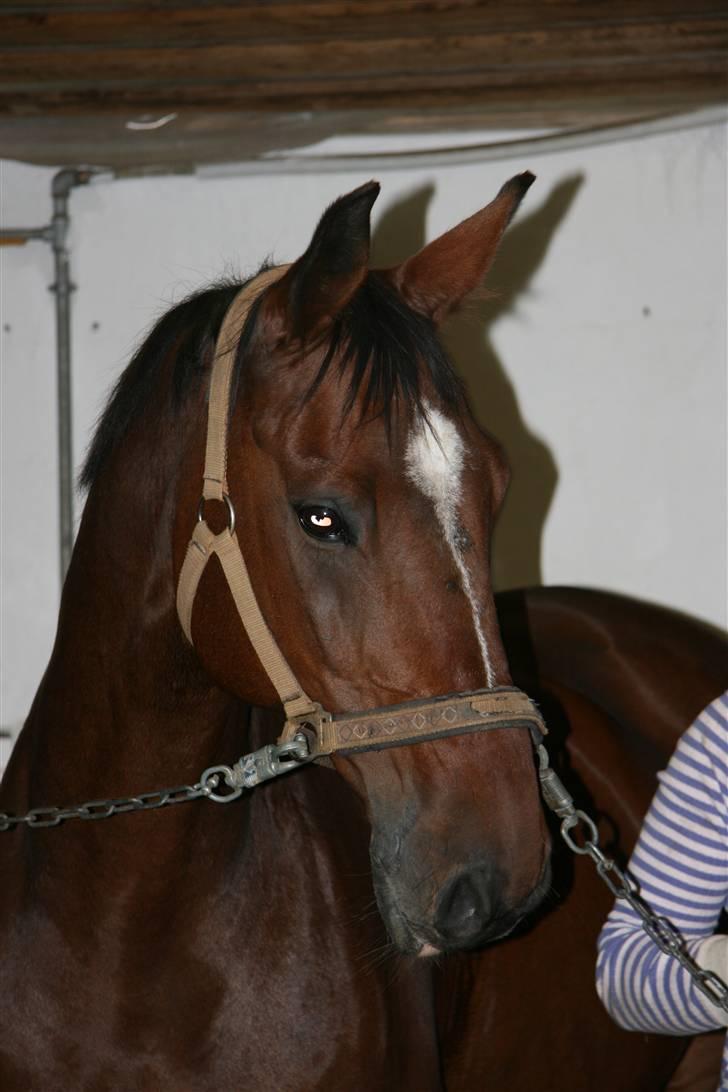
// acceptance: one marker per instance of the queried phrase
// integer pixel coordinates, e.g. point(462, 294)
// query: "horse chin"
point(404, 934)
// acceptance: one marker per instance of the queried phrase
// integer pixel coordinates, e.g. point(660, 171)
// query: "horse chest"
point(103, 1039)
point(203, 1005)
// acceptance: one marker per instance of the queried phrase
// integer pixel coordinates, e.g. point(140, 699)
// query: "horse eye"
point(324, 523)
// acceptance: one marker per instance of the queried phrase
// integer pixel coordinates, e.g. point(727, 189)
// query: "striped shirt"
point(681, 864)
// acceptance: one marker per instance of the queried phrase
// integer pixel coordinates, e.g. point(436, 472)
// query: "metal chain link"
point(221, 784)
point(623, 886)
point(104, 809)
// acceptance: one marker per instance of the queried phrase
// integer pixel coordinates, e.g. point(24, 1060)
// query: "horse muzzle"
point(468, 910)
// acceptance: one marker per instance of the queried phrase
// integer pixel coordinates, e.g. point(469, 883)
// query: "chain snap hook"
point(216, 776)
point(590, 842)
point(296, 749)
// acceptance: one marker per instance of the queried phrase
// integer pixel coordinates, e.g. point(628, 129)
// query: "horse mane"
point(190, 328)
point(377, 338)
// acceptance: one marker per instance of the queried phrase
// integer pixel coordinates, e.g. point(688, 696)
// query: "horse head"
point(365, 494)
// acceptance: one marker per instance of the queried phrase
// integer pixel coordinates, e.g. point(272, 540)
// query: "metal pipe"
point(56, 234)
point(61, 186)
point(19, 235)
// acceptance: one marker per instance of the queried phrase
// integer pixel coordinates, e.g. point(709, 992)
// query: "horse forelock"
point(388, 354)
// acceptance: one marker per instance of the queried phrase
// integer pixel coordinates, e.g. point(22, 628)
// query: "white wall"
point(603, 369)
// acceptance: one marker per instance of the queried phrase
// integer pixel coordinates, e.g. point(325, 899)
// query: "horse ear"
point(436, 279)
point(323, 280)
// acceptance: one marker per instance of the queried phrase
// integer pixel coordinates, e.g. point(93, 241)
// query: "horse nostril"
point(464, 908)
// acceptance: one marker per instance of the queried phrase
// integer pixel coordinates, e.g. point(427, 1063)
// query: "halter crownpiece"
point(310, 732)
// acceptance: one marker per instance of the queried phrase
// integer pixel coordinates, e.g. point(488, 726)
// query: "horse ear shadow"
point(493, 400)
point(401, 229)
point(526, 244)
point(323, 280)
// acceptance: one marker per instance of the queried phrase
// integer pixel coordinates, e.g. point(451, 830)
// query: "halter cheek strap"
point(225, 545)
point(319, 732)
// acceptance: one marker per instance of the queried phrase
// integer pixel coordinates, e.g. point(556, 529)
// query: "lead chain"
point(104, 809)
point(220, 784)
point(622, 885)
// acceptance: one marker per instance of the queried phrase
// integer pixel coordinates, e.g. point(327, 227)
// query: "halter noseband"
point(324, 733)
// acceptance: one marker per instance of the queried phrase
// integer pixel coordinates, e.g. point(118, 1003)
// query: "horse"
point(384, 911)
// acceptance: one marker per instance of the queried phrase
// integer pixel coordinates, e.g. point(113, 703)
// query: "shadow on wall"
point(401, 232)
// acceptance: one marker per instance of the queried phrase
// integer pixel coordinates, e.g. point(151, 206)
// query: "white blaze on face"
point(434, 459)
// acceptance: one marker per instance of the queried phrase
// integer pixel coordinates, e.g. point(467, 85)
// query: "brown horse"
point(205, 947)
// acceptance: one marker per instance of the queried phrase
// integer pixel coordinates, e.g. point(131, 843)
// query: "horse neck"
point(124, 706)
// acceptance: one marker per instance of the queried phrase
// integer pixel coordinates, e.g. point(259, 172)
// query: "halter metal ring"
point(228, 505)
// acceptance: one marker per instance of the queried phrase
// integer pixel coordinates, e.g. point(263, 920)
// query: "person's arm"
point(681, 864)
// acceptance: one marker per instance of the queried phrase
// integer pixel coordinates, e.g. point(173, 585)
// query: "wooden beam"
point(535, 63)
point(175, 24)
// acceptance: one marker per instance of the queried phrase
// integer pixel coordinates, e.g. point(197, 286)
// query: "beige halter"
point(409, 722)
point(204, 543)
